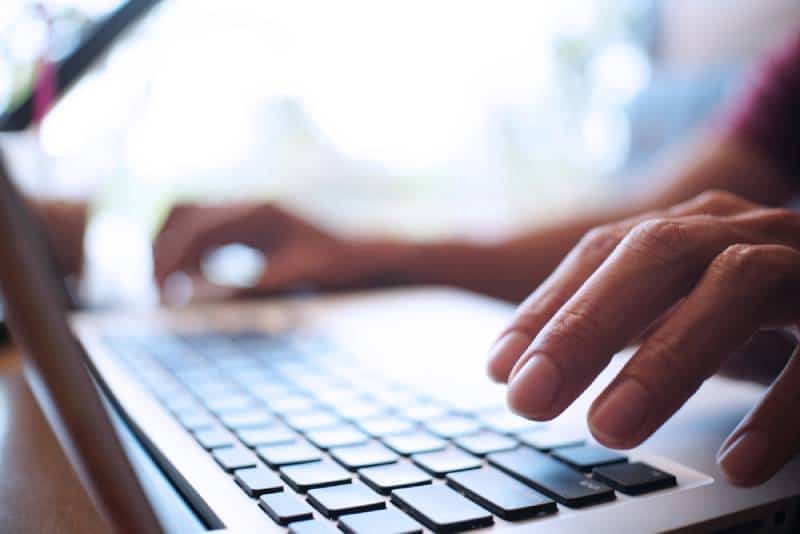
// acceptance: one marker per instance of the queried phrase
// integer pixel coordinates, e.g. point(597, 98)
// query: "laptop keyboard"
point(319, 442)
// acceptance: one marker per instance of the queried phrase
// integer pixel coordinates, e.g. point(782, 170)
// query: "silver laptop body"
point(434, 341)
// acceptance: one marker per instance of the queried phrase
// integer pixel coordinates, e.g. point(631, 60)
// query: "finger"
point(176, 213)
point(769, 436)
point(203, 231)
point(761, 359)
point(745, 287)
point(576, 268)
point(175, 228)
point(654, 267)
point(170, 231)
point(182, 247)
point(539, 307)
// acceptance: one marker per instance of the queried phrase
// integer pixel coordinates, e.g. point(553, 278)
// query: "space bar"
point(551, 477)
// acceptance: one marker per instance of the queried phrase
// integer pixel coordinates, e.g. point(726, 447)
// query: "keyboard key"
point(235, 458)
point(551, 477)
point(313, 526)
point(505, 422)
point(200, 375)
point(257, 481)
point(285, 508)
point(586, 457)
point(380, 427)
point(266, 390)
point(550, 438)
point(246, 419)
point(385, 478)
point(485, 442)
point(367, 455)
point(453, 426)
point(388, 521)
point(478, 404)
point(180, 402)
point(338, 436)
point(501, 494)
point(274, 435)
point(228, 403)
point(213, 390)
point(423, 411)
point(396, 396)
point(337, 395)
point(214, 438)
point(196, 419)
point(634, 478)
point(346, 499)
point(441, 509)
point(414, 443)
point(442, 462)
point(293, 453)
point(290, 404)
point(304, 477)
point(356, 411)
point(303, 422)
point(388, 394)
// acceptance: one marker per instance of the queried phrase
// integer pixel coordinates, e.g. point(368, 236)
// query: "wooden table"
point(39, 492)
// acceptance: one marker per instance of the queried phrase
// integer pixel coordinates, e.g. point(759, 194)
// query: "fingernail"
point(534, 388)
point(624, 410)
point(505, 352)
point(746, 457)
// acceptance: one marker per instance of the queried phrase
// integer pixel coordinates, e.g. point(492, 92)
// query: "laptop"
point(367, 412)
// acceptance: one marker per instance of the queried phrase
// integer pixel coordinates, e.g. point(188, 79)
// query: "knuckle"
point(664, 239)
point(266, 207)
point(575, 327)
point(717, 198)
point(599, 242)
point(742, 263)
point(272, 210)
point(763, 277)
point(176, 213)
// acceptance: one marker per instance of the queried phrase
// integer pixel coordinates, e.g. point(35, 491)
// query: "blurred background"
point(416, 118)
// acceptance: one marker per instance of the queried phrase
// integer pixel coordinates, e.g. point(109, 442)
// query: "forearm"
point(511, 268)
point(720, 162)
point(508, 269)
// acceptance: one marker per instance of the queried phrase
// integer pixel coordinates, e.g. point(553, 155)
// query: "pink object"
point(768, 116)
point(45, 89)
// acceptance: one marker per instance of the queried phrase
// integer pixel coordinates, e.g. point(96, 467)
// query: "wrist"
point(442, 262)
point(387, 261)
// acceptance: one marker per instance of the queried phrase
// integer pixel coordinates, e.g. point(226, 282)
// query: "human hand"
point(299, 254)
point(694, 284)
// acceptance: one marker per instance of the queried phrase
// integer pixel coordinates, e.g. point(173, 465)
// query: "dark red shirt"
point(767, 117)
